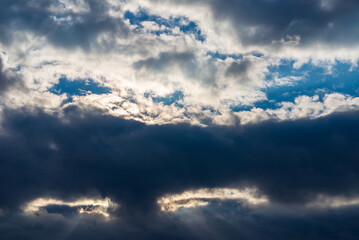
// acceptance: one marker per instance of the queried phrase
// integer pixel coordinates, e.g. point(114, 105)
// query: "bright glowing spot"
point(201, 197)
point(89, 206)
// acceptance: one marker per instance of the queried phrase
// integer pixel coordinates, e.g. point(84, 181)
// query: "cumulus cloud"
point(302, 107)
point(117, 45)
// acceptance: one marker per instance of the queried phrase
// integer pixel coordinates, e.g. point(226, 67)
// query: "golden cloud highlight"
point(85, 205)
point(202, 197)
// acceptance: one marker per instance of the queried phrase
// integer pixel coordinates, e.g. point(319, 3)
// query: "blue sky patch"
point(79, 87)
point(217, 55)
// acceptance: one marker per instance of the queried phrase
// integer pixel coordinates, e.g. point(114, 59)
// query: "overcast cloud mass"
point(179, 119)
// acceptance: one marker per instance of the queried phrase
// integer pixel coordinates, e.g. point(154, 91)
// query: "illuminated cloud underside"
point(201, 197)
point(88, 206)
point(249, 196)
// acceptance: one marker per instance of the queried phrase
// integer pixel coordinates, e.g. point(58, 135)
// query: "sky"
point(179, 119)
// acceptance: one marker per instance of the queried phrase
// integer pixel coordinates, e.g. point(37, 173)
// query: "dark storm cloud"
point(71, 30)
point(272, 20)
point(134, 164)
point(9, 80)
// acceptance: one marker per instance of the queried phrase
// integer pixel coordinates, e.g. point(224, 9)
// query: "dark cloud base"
point(85, 153)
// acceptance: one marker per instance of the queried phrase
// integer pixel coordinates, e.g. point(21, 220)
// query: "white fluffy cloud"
point(93, 40)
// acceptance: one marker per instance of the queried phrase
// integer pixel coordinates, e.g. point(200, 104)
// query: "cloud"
point(198, 119)
point(262, 22)
point(88, 206)
point(134, 164)
point(165, 60)
point(61, 26)
point(186, 63)
point(99, 40)
point(296, 29)
point(302, 107)
point(239, 70)
point(202, 197)
point(9, 79)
